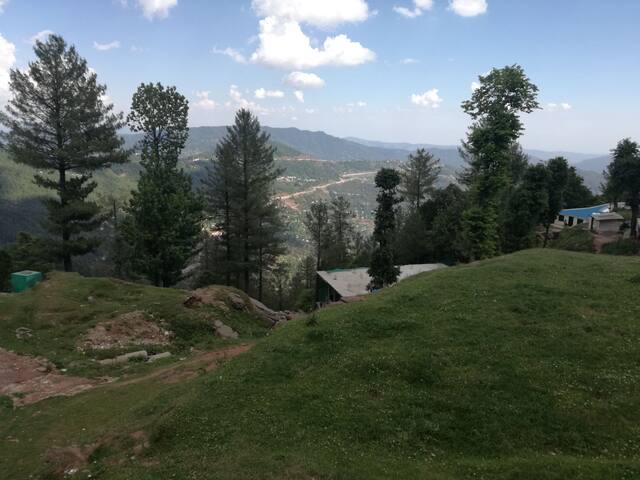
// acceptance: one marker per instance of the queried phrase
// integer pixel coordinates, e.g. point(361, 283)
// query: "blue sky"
point(363, 67)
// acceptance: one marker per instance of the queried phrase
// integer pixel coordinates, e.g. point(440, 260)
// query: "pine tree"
point(494, 106)
point(239, 188)
point(316, 221)
point(58, 121)
point(341, 231)
point(383, 270)
point(165, 217)
point(418, 176)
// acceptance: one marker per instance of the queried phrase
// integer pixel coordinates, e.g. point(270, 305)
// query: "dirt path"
point(189, 368)
point(289, 199)
point(31, 379)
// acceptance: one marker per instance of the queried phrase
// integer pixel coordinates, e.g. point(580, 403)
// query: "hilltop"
point(523, 366)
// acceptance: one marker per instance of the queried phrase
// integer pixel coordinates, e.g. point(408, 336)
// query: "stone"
point(159, 356)
point(224, 331)
point(139, 355)
point(23, 332)
point(270, 317)
point(237, 302)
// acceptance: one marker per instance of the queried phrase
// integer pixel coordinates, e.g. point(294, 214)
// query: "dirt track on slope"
point(289, 199)
point(29, 380)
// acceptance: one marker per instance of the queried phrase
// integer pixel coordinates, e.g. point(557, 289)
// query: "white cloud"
point(474, 86)
point(309, 111)
point(553, 107)
point(261, 93)
point(40, 36)
point(419, 7)
point(299, 94)
point(7, 59)
point(103, 47)
point(156, 8)
point(238, 101)
point(284, 44)
point(204, 102)
point(232, 53)
point(468, 8)
point(304, 80)
point(430, 98)
point(409, 61)
point(136, 49)
point(325, 13)
point(407, 12)
point(3, 3)
point(359, 104)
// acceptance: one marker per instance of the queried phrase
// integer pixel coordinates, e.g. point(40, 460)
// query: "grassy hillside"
point(521, 367)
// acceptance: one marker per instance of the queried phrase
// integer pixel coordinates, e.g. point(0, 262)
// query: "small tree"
point(623, 176)
point(383, 270)
point(6, 267)
point(58, 122)
point(418, 176)
point(165, 216)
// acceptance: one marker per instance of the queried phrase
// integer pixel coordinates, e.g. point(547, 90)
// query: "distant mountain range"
point(293, 142)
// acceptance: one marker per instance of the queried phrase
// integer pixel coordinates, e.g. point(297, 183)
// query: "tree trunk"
point(546, 235)
point(66, 236)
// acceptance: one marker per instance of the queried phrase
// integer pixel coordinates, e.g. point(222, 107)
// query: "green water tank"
point(24, 280)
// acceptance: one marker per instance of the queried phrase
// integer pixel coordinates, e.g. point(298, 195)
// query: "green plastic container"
point(21, 281)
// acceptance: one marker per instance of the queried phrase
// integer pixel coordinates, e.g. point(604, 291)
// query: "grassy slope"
point(521, 367)
point(60, 311)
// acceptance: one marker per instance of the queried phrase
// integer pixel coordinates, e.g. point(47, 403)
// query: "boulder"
point(159, 356)
point(237, 302)
point(139, 355)
point(270, 317)
point(224, 331)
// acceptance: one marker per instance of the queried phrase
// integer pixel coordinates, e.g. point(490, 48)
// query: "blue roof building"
point(586, 212)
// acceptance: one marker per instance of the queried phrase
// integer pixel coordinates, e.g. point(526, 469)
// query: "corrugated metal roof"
point(353, 282)
point(586, 212)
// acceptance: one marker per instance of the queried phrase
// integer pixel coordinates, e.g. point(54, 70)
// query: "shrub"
point(576, 239)
point(628, 246)
point(6, 267)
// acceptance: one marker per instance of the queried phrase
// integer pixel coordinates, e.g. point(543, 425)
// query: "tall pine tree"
point(240, 188)
point(57, 121)
point(418, 176)
point(165, 216)
point(383, 270)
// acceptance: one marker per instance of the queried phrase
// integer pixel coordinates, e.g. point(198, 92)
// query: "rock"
point(193, 301)
point(23, 332)
point(237, 302)
point(90, 299)
point(159, 356)
point(270, 317)
point(224, 331)
point(139, 355)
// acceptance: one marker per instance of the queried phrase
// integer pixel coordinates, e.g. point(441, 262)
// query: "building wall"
point(607, 226)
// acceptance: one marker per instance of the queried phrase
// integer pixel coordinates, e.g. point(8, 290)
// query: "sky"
point(381, 70)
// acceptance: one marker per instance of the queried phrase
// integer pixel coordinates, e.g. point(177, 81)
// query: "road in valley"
point(289, 199)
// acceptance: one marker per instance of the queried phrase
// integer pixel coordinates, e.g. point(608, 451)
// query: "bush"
point(627, 246)
point(576, 239)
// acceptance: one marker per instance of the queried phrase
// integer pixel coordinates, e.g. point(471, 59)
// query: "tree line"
point(231, 230)
point(58, 122)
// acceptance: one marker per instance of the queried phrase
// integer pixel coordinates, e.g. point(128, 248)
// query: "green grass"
point(521, 367)
point(574, 239)
point(61, 310)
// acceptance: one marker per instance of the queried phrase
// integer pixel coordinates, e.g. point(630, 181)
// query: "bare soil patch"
point(128, 329)
point(31, 379)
